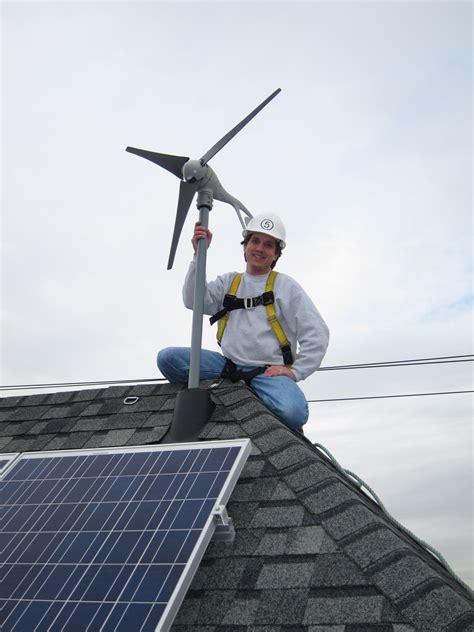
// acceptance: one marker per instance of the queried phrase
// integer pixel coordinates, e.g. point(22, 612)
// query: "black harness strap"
point(287, 355)
point(231, 372)
point(231, 302)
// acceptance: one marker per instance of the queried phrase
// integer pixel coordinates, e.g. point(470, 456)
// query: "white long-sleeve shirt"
point(248, 337)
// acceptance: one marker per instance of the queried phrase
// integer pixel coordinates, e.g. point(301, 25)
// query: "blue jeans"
point(279, 393)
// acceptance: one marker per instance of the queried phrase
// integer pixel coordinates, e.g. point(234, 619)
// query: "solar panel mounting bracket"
point(225, 531)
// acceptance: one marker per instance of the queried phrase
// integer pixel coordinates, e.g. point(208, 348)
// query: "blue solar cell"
point(110, 537)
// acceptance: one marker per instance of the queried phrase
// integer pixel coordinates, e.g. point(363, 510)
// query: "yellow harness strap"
point(271, 311)
point(272, 315)
point(233, 287)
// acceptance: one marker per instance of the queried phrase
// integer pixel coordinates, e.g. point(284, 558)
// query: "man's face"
point(260, 253)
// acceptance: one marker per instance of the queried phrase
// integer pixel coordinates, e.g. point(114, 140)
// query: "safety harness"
point(267, 299)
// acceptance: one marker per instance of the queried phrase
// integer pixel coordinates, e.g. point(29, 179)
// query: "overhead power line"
point(347, 399)
point(341, 367)
point(397, 363)
point(16, 387)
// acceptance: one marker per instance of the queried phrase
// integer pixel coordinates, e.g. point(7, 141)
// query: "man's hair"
point(277, 247)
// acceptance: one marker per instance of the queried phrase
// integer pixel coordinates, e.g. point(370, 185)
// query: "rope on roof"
point(362, 486)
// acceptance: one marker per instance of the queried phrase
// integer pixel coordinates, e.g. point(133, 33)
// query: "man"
point(270, 356)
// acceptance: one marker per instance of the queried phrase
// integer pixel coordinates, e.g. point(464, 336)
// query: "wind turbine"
point(194, 406)
point(196, 175)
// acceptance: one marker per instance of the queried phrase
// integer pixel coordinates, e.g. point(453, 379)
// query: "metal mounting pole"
point(194, 406)
point(204, 204)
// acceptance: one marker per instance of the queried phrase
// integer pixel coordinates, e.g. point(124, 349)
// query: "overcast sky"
point(366, 155)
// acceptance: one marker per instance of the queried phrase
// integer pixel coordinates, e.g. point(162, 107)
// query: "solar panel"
point(109, 539)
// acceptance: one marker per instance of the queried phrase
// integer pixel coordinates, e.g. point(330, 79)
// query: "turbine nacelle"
point(194, 171)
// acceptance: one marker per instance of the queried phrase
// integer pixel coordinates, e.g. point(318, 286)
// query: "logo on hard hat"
point(267, 224)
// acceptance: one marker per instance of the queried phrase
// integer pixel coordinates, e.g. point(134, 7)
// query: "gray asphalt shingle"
point(305, 540)
point(278, 516)
point(336, 570)
point(286, 575)
point(340, 609)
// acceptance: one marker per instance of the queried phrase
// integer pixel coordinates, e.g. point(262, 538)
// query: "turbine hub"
point(193, 171)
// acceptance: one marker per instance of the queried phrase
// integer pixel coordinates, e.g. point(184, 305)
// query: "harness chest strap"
point(272, 318)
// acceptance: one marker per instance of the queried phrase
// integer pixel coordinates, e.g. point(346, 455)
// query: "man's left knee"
point(292, 409)
point(295, 413)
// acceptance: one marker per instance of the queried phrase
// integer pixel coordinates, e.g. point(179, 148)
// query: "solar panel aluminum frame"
point(9, 458)
point(169, 613)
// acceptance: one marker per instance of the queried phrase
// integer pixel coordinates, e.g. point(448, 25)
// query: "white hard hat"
point(268, 224)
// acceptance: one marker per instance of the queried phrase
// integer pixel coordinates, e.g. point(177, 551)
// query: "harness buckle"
point(267, 298)
point(248, 302)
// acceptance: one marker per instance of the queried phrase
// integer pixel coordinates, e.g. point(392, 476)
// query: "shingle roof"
point(311, 553)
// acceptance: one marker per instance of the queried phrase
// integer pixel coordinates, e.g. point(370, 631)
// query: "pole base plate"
point(193, 409)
